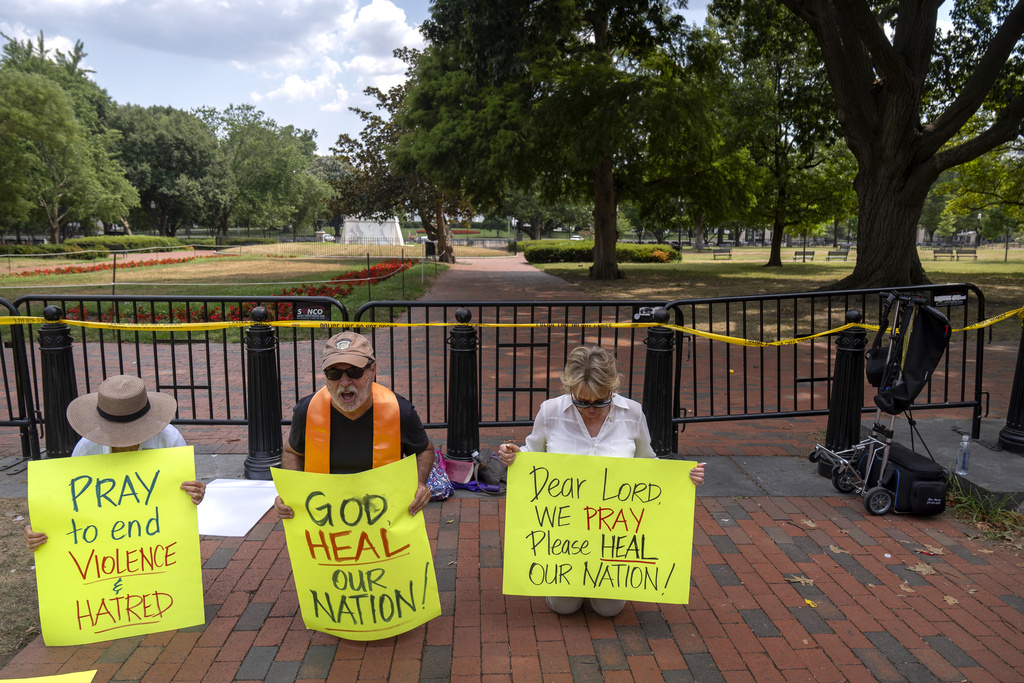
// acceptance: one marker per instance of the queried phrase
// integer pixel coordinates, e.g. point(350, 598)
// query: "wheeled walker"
point(918, 338)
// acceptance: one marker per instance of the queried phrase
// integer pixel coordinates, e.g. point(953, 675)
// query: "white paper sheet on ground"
point(231, 507)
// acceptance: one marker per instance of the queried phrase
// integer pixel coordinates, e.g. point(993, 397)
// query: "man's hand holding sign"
point(362, 564)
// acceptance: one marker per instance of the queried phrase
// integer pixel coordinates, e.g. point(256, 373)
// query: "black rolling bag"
point(918, 483)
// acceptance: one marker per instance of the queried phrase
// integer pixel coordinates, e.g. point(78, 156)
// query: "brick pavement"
point(784, 589)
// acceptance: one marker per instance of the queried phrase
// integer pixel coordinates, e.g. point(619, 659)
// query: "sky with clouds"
point(303, 62)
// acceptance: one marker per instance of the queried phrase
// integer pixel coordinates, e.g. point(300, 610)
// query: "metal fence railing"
point(522, 347)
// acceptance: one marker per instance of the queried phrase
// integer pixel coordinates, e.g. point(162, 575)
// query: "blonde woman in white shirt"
point(590, 419)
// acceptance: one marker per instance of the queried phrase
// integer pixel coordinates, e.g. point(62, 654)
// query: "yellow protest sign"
point(362, 564)
point(77, 677)
point(597, 527)
point(122, 552)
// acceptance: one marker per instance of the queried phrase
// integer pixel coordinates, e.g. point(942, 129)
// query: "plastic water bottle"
point(963, 456)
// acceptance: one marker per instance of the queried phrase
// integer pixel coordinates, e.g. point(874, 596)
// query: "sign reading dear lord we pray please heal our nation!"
point(362, 564)
point(598, 527)
point(122, 552)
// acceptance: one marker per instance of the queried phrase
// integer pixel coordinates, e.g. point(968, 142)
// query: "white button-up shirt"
point(559, 428)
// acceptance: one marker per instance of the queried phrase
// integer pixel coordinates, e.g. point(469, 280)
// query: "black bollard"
point(657, 399)
point(59, 385)
point(847, 398)
point(1011, 436)
point(463, 396)
point(265, 445)
point(29, 432)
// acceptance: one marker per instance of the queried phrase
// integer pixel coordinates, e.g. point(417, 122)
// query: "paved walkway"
point(785, 587)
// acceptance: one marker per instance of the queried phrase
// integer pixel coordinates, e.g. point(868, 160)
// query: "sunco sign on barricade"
point(586, 526)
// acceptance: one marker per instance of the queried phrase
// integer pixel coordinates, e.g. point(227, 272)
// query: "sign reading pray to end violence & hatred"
point(122, 552)
point(362, 564)
point(599, 527)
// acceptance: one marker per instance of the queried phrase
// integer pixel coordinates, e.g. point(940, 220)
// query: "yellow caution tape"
point(330, 324)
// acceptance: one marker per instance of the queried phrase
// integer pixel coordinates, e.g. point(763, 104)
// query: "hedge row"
point(562, 251)
point(124, 242)
point(70, 250)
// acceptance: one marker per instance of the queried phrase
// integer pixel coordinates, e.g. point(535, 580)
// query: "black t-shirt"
point(352, 440)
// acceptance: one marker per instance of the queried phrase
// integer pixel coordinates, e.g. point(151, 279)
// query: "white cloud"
point(340, 103)
point(379, 28)
point(296, 89)
point(369, 66)
point(243, 30)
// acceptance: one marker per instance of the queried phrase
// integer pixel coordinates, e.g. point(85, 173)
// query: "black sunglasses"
point(334, 374)
point(587, 404)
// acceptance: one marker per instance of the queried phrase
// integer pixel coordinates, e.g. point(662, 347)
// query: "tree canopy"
point(56, 142)
point(903, 91)
point(581, 98)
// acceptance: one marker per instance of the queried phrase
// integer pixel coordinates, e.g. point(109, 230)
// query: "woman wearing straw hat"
point(121, 416)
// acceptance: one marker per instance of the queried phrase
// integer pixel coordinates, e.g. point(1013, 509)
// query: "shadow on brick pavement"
point(790, 581)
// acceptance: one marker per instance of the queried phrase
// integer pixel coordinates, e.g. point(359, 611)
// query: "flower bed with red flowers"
point(145, 312)
point(97, 267)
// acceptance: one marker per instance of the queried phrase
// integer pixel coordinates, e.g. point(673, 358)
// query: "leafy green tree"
point(337, 174)
point(167, 153)
point(255, 177)
point(34, 111)
point(379, 188)
point(784, 111)
point(68, 165)
point(580, 98)
point(995, 179)
point(903, 90)
point(538, 218)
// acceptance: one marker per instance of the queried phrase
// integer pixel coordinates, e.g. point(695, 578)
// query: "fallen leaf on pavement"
point(950, 600)
point(922, 569)
point(836, 549)
point(809, 524)
point(802, 580)
point(905, 587)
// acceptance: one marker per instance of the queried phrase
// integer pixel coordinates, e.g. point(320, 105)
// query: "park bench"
point(803, 255)
point(973, 253)
point(725, 252)
point(837, 255)
point(942, 253)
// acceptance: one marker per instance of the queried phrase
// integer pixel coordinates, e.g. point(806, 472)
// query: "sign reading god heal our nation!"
point(597, 527)
point(362, 564)
point(122, 552)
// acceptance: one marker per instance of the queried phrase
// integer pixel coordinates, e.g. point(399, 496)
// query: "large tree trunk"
point(606, 266)
point(445, 252)
point(886, 230)
point(778, 230)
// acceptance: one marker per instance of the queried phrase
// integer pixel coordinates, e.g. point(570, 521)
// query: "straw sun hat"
point(121, 412)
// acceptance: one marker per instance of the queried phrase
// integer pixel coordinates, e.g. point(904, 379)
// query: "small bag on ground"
point(919, 483)
point(438, 482)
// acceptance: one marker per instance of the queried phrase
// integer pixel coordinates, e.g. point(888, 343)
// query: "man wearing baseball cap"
point(352, 424)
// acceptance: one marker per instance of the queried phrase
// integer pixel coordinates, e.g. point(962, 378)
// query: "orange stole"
point(387, 430)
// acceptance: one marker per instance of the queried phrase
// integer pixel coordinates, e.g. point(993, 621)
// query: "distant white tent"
point(372, 232)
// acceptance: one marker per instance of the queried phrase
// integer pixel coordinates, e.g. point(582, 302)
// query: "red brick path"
point(784, 589)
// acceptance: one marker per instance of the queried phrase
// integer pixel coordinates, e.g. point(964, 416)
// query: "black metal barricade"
point(521, 348)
